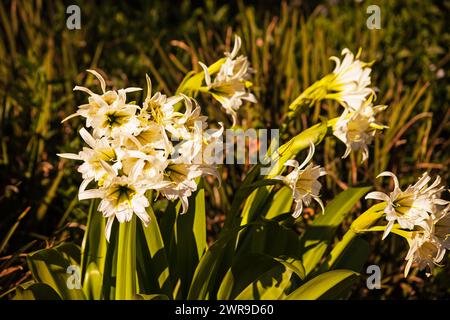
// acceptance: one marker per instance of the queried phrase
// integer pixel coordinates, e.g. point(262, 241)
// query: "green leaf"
point(153, 267)
point(334, 284)
point(205, 274)
point(269, 237)
point(36, 291)
point(281, 203)
point(110, 268)
point(92, 284)
point(242, 193)
point(270, 286)
point(167, 227)
point(320, 233)
point(70, 251)
point(363, 222)
point(51, 266)
point(259, 276)
point(246, 269)
point(151, 297)
point(354, 256)
point(191, 238)
point(94, 243)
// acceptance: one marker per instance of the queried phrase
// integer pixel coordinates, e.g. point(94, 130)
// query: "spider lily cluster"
point(134, 149)
point(420, 209)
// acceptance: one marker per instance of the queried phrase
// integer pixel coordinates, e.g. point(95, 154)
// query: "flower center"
point(115, 119)
point(121, 193)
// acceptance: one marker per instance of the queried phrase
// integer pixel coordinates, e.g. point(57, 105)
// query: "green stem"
point(126, 261)
point(359, 225)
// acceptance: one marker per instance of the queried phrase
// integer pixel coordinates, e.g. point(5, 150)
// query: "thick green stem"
point(359, 225)
point(126, 261)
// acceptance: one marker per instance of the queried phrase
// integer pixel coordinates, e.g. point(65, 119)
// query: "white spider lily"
point(184, 125)
point(357, 128)
point(410, 207)
point(428, 245)
point(122, 197)
point(154, 163)
point(158, 108)
point(198, 146)
point(181, 178)
point(97, 102)
point(425, 251)
point(116, 121)
point(100, 150)
point(303, 182)
point(229, 86)
point(441, 224)
point(351, 80)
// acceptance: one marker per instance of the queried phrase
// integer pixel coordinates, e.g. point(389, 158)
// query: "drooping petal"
point(88, 138)
point(388, 229)
point(149, 86)
point(89, 92)
point(376, 195)
point(292, 163)
point(100, 78)
point(236, 47)
point(71, 156)
point(393, 176)
point(309, 156)
point(207, 75)
point(90, 194)
point(109, 223)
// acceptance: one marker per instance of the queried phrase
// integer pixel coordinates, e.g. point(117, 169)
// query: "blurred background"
point(288, 44)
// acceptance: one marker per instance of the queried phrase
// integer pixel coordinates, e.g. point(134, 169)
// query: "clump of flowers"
point(134, 149)
point(420, 209)
point(349, 85)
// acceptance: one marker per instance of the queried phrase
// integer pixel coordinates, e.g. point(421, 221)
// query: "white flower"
point(181, 178)
point(150, 136)
point(116, 122)
point(303, 182)
point(441, 224)
point(158, 109)
point(97, 102)
point(122, 196)
point(357, 128)
point(410, 207)
point(229, 86)
point(184, 125)
point(428, 245)
point(154, 163)
point(101, 150)
point(425, 251)
point(351, 81)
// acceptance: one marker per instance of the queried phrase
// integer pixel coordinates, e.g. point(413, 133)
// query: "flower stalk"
point(360, 225)
point(126, 265)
